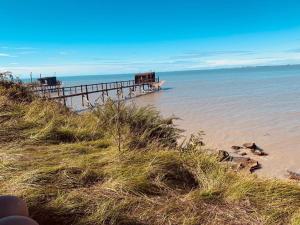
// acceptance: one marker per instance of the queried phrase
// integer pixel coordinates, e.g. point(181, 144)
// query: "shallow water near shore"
point(232, 106)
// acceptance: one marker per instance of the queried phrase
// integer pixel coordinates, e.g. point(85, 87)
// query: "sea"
point(231, 106)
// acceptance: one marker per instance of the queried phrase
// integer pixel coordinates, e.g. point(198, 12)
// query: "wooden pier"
point(124, 89)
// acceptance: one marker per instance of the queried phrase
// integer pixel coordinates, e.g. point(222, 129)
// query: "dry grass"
point(69, 170)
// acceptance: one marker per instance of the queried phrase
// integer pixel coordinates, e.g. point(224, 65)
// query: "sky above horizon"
point(117, 36)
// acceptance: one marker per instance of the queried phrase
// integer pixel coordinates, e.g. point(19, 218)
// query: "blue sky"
point(117, 36)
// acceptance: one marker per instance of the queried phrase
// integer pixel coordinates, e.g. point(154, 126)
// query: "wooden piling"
point(86, 92)
point(64, 98)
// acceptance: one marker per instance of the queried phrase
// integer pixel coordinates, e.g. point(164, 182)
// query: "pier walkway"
point(130, 87)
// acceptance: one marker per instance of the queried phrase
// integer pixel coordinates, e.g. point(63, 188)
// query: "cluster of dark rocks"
point(250, 146)
point(293, 175)
point(241, 162)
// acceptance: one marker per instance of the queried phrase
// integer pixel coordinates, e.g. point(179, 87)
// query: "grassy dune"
point(70, 170)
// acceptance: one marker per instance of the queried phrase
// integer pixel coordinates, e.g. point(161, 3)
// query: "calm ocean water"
point(232, 106)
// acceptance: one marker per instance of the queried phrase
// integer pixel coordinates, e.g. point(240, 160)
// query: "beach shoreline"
point(232, 106)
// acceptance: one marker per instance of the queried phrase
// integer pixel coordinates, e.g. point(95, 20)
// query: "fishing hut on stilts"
point(143, 83)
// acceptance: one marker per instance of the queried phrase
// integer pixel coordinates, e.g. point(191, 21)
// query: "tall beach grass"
point(69, 169)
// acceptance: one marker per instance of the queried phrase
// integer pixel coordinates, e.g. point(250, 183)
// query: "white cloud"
point(24, 48)
point(29, 52)
point(24, 71)
point(5, 55)
point(17, 51)
point(234, 62)
point(275, 59)
point(167, 63)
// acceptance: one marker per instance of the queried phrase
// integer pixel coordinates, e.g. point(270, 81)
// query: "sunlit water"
point(232, 106)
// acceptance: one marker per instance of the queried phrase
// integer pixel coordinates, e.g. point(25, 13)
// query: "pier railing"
point(87, 89)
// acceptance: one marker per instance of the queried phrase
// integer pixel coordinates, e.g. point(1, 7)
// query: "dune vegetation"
point(122, 164)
